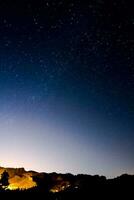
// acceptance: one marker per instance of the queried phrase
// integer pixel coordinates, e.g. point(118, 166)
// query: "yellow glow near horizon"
point(12, 187)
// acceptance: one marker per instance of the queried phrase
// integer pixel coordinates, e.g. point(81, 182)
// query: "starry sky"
point(67, 86)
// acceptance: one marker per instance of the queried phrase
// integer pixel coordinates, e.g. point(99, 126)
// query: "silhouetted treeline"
point(67, 186)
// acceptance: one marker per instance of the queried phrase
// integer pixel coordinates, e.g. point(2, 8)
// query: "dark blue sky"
point(67, 86)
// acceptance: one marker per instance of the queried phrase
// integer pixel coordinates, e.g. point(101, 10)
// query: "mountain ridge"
point(21, 179)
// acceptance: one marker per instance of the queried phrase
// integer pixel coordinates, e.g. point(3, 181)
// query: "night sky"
point(67, 86)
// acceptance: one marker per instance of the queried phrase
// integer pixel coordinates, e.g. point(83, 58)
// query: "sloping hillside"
point(19, 178)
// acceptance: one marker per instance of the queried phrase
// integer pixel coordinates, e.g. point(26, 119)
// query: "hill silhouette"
point(64, 186)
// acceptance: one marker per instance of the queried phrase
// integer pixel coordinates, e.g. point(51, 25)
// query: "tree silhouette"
point(44, 182)
point(4, 179)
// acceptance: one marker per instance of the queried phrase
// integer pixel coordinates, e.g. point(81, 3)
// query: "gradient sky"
point(67, 86)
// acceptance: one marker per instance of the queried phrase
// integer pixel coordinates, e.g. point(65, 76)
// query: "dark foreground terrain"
point(67, 186)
